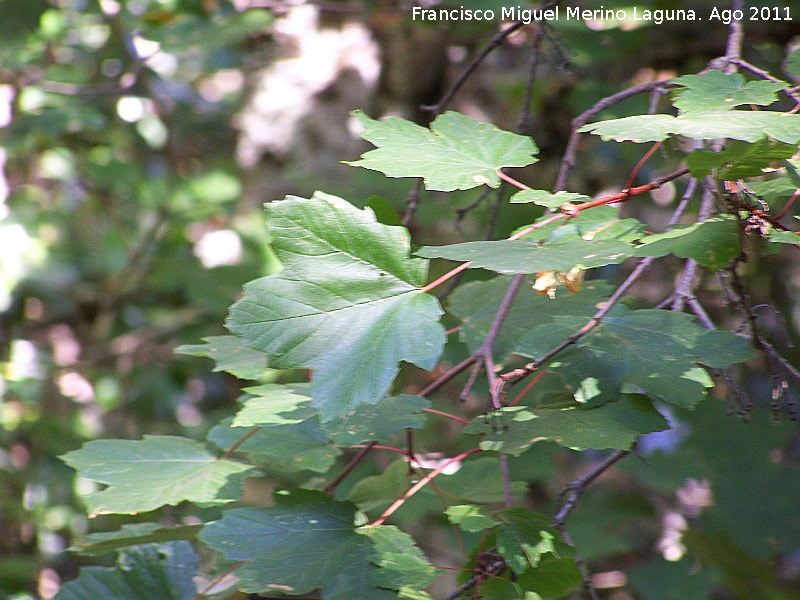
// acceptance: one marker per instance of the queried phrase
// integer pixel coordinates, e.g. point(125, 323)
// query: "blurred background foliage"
point(138, 141)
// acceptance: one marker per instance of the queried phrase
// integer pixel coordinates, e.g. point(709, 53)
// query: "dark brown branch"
point(575, 489)
point(440, 381)
point(438, 109)
point(362, 454)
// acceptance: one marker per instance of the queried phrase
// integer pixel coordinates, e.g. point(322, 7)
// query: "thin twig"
point(619, 197)
point(764, 75)
point(241, 441)
point(512, 377)
point(443, 379)
point(575, 489)
point(492, 569)
point(572, 146)
point(419, 485)
point(412, 202)
point(433, 411)
point(217, 580)
point(362, 454)
point(438, 109)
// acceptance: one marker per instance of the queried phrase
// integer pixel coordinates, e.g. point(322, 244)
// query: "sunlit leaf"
point(739, 160)
point(548, 199)
point(716, 90)
point(230, 355)
point(749, 126)
point(712, 243)
point(456, 153)
point(470, 517)
point(275, 404)
point(517, 256)
point(347, 303)
point(157, 470)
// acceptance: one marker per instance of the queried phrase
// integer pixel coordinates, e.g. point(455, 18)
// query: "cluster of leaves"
point(352, 303)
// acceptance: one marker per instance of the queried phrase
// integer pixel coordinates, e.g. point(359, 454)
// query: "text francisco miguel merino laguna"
point(527, 15)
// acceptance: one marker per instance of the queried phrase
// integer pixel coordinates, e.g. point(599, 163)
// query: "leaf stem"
point(419, 485)
point(619, 197)
point(446, 276)
point(331, 487)
point(640, 164)
point(511, 180)
point(441, 413)
point(241, 441)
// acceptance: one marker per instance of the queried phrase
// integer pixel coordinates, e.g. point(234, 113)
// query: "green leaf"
point(400, 563)
point(656, 352)
point(712, 243)
point(476, 304)
point(737, 125)
point(548, 199)
point(777, 236)
point(613, 425)
point(527, 539)
point(456, 153)
point(158, 470)
point(281, 448)
point(275, 404)
point(470, 518)
point(594, 238)
point(517, 256)
point(378, 422)
point(384, 212)
point(230, 355)
point(305, 542)
point(163, 571)
point(132, 534)
point(716, 90)
point(347, 303)
point(739, 160)
point(377, 492)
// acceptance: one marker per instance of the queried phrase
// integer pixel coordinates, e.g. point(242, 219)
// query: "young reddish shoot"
point(788, 205)
point(433, 411)
point(528, 387)
point(511, 180)
point(241, 441)
point(640, 164)
point(419, 485)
